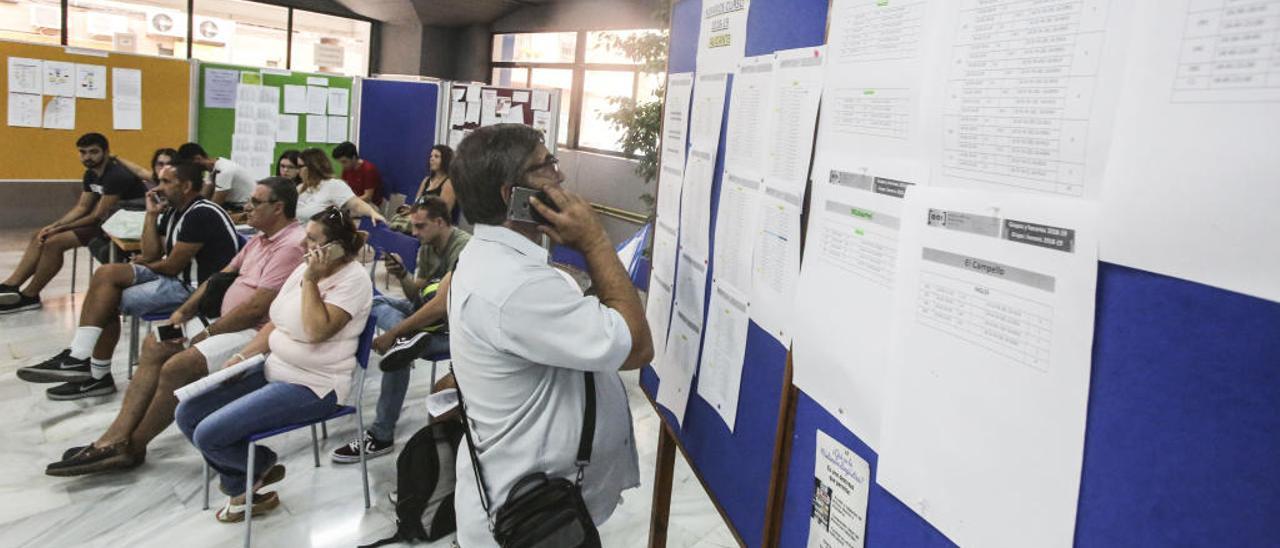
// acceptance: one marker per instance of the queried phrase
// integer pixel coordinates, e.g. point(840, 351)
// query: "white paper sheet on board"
point(337, 131)
point(1191, 185)
point(720, 370)
point(26, 75)
point(60, 113)
point(473, 93)
point(295, 99)
point(676, 368)
point(91, 82)
point(339, 101)
point(317, 129)
point(695, 203)
point(459, 94)
point(722, 34)
point(455, 137)
point(675, 121)
point(663, 255)
point(317, 100)
point(747, 139)
point(984, 422)
point(794, 113)
point(707, 111)
point(519, 97)
point(24, 109)
point(690, 287)
point(847, 279)
point(472, 113)
point(868, 152)
point(60, 78)
point(126, 84)
point(457, 113)
point(985, 134)
point(126, 114)
point(735, 231)
point(670, 184)
point(657, 312)
point(270, 98)
point(287, 128)
point(317, 81)
point(841, 486)
point(542, 122)
point(514, 115)
point(776, 263)
point(541, 100)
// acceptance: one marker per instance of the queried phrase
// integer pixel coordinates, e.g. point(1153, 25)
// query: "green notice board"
point(216, 121)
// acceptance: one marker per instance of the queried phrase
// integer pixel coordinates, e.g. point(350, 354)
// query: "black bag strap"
point(585, 439)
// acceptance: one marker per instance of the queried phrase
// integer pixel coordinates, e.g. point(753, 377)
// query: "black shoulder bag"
point(215, 288)
point(542, 511)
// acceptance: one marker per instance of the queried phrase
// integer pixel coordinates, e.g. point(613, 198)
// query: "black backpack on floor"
point(425, 481)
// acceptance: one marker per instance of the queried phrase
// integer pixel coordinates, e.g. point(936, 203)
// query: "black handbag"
point(215, 288)
point(543, 511)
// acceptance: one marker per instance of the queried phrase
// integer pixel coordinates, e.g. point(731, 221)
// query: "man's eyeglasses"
point(258, 203)
point(551, 161)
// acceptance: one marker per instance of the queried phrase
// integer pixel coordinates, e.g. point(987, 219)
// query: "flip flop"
point(234, 513)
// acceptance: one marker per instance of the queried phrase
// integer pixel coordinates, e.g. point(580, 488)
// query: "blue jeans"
point(152, 293)
point(220, 421)
point(388, 312)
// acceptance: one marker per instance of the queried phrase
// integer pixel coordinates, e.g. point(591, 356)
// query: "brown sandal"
point(234, 513)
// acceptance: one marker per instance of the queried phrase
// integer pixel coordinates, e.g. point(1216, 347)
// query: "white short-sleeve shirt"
point(521, 336)
point(236, 181)
point(330, 192)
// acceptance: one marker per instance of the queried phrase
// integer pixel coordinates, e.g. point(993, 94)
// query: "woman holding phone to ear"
point(315, 327)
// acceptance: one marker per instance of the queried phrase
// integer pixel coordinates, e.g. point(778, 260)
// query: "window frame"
point(577, 91)
point(372, 55)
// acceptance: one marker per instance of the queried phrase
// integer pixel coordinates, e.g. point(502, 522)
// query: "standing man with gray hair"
point(525, 340)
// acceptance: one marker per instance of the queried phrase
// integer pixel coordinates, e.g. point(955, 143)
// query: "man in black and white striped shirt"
point(180, 227)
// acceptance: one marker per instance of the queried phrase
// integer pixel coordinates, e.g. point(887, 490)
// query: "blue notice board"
point(397, 130)
point(737, 467)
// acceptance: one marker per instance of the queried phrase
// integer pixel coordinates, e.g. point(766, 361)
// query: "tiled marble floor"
point(159, 503)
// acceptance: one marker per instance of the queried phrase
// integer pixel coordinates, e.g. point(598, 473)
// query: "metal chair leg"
point(248, 496)
point(364, 467)
point(206, 483)
point(324, 428)
point(315, 445)
point(75, 258)
point(133, 343)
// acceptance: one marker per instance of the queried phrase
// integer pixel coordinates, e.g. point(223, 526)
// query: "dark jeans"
point(388, 312)
point(220, 421)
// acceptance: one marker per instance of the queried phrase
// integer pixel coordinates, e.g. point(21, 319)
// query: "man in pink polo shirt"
point(261, 268)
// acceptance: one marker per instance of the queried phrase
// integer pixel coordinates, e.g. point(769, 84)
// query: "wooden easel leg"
point(664, 470)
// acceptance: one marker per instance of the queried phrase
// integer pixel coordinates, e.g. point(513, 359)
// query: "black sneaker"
point(405, 351)
point(82, 389)
point(350, 452)
point(60, 368)
point(9, 294)
point(21, 304)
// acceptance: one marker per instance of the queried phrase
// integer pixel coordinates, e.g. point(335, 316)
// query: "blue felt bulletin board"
point(1183, 435)
point(397, 130)
point(737, 466)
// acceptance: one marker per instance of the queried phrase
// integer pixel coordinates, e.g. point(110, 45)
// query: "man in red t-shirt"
point(361, 175)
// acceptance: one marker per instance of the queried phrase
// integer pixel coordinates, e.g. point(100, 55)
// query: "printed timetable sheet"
point(984, 419)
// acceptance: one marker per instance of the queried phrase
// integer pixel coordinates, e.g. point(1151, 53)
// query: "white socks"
point(84, 340)
point(99, 368)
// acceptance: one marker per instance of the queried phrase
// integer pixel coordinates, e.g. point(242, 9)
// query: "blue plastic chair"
point(135, 333)
point(362, 358)
point(635, 262)
point(383, 240)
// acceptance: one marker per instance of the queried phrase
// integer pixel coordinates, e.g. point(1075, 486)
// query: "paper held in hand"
point(213, 380)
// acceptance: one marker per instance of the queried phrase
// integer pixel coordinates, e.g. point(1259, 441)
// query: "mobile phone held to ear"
point(168, 332)
point(522, 211)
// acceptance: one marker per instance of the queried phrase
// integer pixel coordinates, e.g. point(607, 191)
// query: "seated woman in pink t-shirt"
point(315, 327)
